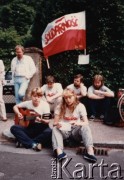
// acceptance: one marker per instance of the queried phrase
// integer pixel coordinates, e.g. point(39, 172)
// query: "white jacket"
point(29, 67)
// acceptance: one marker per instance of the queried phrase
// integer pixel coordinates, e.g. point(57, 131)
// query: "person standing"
point(23, 69)
point(99, 98)
point(2, 104)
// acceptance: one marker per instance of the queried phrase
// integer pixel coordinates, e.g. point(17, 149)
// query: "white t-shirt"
point(57, 88)
point(103, 88)
point(76, 115)
point(43, 107)
point(77, 90)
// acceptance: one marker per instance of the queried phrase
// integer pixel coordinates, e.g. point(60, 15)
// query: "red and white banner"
point(65, 33)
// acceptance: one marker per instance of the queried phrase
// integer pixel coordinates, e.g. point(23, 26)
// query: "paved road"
point(23, 164)
point(29, 165)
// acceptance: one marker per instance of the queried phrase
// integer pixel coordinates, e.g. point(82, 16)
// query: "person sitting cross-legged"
point(71, 120)
point(36, 133)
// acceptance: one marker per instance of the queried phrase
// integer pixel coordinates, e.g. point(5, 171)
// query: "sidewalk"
point(103, 135)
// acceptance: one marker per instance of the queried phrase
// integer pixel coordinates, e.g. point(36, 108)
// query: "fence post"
point(36, 80)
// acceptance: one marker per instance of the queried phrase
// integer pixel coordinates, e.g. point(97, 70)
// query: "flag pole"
point(85, 31)
point(48, 65)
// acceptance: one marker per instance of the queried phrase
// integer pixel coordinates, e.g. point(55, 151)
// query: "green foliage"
point(8, 39)
point(105, 43)
point(24, 21)
point(16, 18)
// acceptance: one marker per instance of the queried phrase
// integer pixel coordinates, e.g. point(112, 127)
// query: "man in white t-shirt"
point(78, 87)
point(23, 69)
point(99, 98)
point(52, 92)
point(36, 133)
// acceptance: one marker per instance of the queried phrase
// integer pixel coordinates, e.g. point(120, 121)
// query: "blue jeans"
point(34, 133)
point(21, 85)
point(99, 106)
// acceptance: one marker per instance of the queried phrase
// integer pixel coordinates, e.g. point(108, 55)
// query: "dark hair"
point(50, 79)
point(79, 76)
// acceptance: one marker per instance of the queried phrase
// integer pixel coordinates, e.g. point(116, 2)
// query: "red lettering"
point(70, 118)
point(60, 28)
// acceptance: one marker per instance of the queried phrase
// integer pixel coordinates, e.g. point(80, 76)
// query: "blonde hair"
point(66, 93)
point(36, 92)
point(98, 77)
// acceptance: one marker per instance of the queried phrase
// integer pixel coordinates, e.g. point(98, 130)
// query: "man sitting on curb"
point(78, 86)
point(36, 133)
point(99, 98)
point(52, 92)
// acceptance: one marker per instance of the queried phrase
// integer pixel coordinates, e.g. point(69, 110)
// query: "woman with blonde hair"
point(71, 120)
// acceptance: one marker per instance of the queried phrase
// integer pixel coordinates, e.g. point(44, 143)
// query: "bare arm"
point(56, 120)
point(83, 90)
point(16, 110)
point(105, 93)
point(94, 96)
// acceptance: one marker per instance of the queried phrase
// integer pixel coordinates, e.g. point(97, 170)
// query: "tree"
point(25, 21)
point(104, 26)
point(16, 18)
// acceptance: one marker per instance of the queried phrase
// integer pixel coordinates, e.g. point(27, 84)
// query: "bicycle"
point(120, 103)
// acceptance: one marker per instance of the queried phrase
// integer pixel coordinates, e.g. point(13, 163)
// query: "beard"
point(76, 85)
point(97, 87)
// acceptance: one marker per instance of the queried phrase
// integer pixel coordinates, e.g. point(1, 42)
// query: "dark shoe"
point(109, 123)
point(61, 156)
point(90, 158)
point(37, 147)
point(18, 144)
point(92, 117)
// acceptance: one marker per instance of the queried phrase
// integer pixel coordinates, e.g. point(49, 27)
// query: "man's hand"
point(44, 121)
point(58, 125)
point(20, 116)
